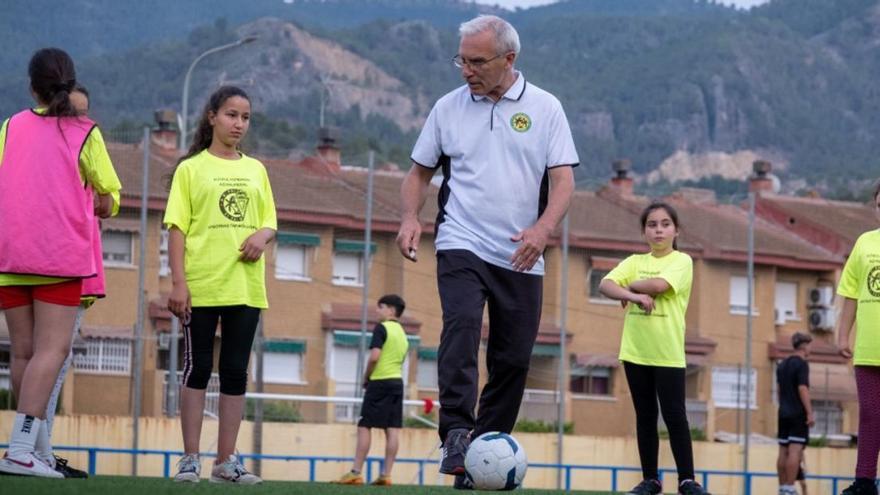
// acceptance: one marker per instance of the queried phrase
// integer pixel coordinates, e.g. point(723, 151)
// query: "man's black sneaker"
point(454, 448)
point(861, 487)
point(69, 472)
point(691, 487)
point(647, 487)
point(462, 482)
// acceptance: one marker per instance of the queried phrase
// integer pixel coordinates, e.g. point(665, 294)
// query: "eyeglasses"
point(473, 64)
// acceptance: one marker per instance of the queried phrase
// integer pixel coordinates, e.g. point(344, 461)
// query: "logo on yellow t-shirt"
point(874, 281)
point(234, 204)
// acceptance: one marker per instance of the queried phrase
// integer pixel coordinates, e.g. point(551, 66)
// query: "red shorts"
point(63, 294)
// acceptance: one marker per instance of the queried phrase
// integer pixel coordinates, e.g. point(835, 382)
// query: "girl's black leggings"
point(238, 326)
point(647, 384)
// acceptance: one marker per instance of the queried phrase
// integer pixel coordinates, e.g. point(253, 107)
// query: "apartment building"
point(315, 289)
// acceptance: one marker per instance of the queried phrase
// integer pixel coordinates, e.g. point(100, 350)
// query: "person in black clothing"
point(795, 412)
point(383, 391)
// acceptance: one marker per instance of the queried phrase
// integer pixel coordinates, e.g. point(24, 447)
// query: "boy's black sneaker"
point(462, 482)
point(861, 487)
point(647, 487)
point(454, 448)
point(69, 472)
point(691, 487)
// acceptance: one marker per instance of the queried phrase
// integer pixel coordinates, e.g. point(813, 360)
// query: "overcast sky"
point(532, 3)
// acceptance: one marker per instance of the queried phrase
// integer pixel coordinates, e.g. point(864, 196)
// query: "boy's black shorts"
point(793, 430)
point(383, 404)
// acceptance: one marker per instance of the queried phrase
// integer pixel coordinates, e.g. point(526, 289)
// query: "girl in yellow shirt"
point(655, 288)
point(860, 288)
point(220, 216)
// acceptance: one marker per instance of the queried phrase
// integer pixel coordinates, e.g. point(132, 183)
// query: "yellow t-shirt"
point(217, 204)
point(860, 280)
point(656, 339)
point(95, 168)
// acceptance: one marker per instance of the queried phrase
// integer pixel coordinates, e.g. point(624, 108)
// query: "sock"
point(354, 471)
point(25, 429)
point(43, 445)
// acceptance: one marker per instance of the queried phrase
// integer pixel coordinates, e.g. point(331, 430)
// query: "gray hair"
point(506, 37)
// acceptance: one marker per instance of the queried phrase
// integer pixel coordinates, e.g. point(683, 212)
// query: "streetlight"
point(185, 109)
point(325, 91)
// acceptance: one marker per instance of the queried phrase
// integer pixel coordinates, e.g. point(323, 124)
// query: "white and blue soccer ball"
point(495, 461)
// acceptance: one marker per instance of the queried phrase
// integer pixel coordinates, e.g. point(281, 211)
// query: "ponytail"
point(53, 78)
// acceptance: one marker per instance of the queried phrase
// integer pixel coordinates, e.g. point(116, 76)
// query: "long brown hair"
point(204, 133)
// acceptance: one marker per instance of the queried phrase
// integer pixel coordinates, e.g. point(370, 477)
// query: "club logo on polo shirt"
point(874, 281)
point(234, 204)
point(520, 122)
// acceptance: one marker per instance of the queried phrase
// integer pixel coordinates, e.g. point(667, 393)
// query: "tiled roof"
point(305, 192)
point(347, 316)
point(833, 224)
point(720, 231)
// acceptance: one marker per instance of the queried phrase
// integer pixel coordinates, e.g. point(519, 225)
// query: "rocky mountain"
point(689, 90)
point(288, 63)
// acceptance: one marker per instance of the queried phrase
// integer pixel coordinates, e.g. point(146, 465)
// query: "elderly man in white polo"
point(506, 152)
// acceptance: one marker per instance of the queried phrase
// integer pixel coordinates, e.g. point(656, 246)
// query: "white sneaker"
point(188, 469)
point(232, 471)
point(27, 465)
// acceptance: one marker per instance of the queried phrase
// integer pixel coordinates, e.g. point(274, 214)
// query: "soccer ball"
point(495, 461)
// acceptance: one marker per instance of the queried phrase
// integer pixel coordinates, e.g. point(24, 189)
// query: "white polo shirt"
point(495, 158)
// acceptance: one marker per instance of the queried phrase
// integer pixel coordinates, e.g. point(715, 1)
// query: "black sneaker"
point(691, 487)
point(463, 482)
point(861, 487)
point(454, 449)
point(647, 487)
point(69, 472)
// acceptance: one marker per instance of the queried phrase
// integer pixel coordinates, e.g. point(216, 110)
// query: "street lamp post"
point(185, 105)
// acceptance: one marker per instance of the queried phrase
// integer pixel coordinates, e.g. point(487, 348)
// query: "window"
point(117, 247)
point(282, 361)
point(164, 264)
point(786, 301)
point(282, 367)
point(692, 382)
point(829, 417)
point(729, 387)
point(591, 380)
point(342, 369)
point(595, 278)
point(347, 268)
point(426, 374)
point(342, 361)
point(105, 356)
point(739, 287)
point(291, 262)
point(293, 253)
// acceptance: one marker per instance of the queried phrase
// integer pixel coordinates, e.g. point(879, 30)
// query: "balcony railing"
point(212, 399)
point(4, 377)
point(539, 404)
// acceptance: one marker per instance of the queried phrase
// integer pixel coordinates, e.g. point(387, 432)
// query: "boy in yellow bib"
point(655, 288)
point(383, 398)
